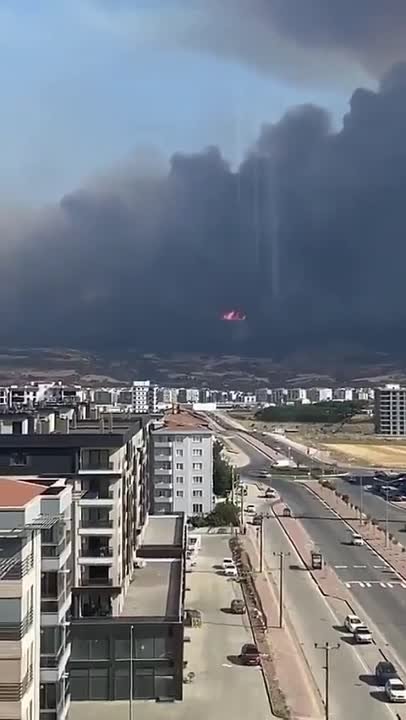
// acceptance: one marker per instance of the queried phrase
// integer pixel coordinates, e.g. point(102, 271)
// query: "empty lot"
point(381, 454)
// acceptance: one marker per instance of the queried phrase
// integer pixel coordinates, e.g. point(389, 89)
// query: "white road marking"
point(340, 567)
point(382, 584)
point(380, 567)
point(389, 585)
point(359, 566)
point(368, 584)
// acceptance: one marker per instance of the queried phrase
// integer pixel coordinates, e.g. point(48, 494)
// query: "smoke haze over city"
point(305, 236)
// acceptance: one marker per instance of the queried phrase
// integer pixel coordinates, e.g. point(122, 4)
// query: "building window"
point(197, 508)
point(196, 438)
point(197, 466)
point(197, 493)
point(89, 683)
point(48, 696)
point(197, 452)
point(179, 479)
point(179, 493)
point(95, 459)
point(179, 438)
point(197, 479)
point(179, 466)
point(179, 452)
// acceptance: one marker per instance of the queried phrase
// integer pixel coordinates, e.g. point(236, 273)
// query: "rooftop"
point(155, 590)
point(17, 493)
point(164, 530)
point(184, 420)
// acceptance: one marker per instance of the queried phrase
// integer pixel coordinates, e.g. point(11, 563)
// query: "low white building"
point(182, 465)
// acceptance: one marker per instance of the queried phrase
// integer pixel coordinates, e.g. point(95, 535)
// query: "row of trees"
point(322, 412)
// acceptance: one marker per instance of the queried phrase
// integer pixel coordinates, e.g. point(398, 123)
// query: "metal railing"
point(19, 569)
point(15, 631)
point(100, 523)
point(96, 552)
point(13, 692)
point(100, 582)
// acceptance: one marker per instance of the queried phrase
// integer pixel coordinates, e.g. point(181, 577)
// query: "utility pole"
point(233, 482)
point(281, 555)
point(361, 509)
point(131, 693)
point(386, 518)
point(327, 648)
point(260, 533)
point(242, 506)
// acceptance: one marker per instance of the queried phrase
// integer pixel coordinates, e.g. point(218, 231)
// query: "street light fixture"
point(281, 555)
point(386, 517)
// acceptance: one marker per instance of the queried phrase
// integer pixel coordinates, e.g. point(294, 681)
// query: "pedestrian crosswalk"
point(393, 584)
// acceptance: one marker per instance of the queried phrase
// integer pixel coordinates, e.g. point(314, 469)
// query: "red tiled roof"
point(17, 493)
point(184, 420)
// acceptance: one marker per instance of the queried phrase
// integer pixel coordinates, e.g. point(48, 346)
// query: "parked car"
point(257, 520)
point(385, 671)
point(357, 539)
point(362, 635)
point(269, 493)
point(287, 512)
point(237, 607)
point(395, 690)
point(231, 571)
point(351, 623)
point(250, 509)
point(227, 562)
point(250, 655)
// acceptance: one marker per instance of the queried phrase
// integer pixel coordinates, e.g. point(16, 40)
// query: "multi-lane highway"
point(380, 593)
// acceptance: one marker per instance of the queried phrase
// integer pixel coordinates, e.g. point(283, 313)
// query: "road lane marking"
point(382, 584)
point(359, 566)
point(341, 567)
point(368, 584)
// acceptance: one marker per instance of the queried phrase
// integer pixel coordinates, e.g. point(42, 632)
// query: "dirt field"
point(377, 454)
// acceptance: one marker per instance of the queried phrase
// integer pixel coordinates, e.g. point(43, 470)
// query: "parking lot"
point(222, 687)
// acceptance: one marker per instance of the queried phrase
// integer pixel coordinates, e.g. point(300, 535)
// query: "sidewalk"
point(294, 677)
point(394, 554)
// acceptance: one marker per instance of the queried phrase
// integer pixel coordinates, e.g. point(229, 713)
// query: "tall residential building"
point(144, 397)
point(182, 465)
point(35, 597)
point(320, 394)
point(390, 410)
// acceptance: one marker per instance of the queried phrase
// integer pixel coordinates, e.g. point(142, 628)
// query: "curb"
point(367, 543)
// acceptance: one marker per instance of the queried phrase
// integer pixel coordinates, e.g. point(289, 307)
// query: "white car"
point(227, 562)
point(362, 635)
point(357, 539)
point(230, 571)
point(250, 509)
point(395, 690)
point(351, 623)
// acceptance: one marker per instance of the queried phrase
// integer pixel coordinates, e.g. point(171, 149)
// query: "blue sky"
point(80, 94)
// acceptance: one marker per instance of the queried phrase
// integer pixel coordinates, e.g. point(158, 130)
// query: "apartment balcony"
point(163, 485)
point(162, 444)
point(96, 582)
point(162, 457)
point(55, 556)
point(14, 692)
point(16, 631)
point(100, 526)
point(54, 609)
point(96, 498)
point(96, 556)
point(163, 499)
point(53, 667)
point(162, 471)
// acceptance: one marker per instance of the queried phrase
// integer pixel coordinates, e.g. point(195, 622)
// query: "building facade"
point(182, 465)
point(144, 397)
point(390, 410)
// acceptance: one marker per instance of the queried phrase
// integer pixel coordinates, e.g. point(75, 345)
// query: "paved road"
point(222, 689)
point(380, 593)
point(353, 694)
point(376, 507)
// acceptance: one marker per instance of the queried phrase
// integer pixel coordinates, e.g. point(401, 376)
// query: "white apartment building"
point(182, 465)
point(34, 599)
point(390, 410)
point(144, 397)
point(320, 394)
point(296, 395)
point(343, 394)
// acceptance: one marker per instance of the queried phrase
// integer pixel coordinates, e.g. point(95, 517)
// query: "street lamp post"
point(386, 518)
point(281, 555)
point(327, 648)
point(361, 503)
point(131, 691)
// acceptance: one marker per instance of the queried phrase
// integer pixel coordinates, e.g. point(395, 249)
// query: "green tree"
point(222, 471)
point(225, 513)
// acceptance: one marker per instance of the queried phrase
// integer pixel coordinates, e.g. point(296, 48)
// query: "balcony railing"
point(98, 523)
point(15, 631)
point(53, 604)
point(100, 582)
point(14, 692)
point(54, 550)
point(19, 569)
point(53, 661)
point(96, 552)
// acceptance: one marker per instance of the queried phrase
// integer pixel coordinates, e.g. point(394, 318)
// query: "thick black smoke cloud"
point(151, 262)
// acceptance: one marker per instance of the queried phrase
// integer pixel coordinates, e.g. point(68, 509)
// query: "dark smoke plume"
point(153, 261)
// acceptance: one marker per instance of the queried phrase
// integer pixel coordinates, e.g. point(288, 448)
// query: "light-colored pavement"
point(221, 689)
point(352, 691)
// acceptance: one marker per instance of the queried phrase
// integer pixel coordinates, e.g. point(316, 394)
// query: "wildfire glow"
point(233, 316)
